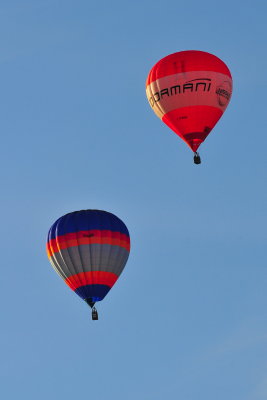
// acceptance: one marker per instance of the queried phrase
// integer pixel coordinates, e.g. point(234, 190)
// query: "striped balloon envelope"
point(189, 91)
point(89, 250)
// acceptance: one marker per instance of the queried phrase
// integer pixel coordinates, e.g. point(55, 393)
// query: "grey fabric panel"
point(65, 263)
point(57, 268)
point(90, 257)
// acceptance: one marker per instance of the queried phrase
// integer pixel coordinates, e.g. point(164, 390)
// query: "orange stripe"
point(91, 278)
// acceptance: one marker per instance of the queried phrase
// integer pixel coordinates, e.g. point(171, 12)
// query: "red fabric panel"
point(87, 237)
point(193, 124)
point(91, 278)
point(184, 61)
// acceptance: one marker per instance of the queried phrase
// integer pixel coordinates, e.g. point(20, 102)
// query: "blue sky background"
point(188, 317)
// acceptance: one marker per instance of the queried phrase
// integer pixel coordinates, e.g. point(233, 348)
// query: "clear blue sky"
point(188, 317)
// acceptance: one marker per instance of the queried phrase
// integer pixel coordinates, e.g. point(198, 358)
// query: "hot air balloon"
point(89, 250)
point(189, 91)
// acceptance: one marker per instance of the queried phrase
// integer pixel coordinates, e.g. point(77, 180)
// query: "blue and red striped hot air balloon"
point(89, 250)
point(189, 91)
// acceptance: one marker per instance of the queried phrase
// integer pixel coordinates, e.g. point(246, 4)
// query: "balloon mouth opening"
point(90, 302)
point(195, 146)
point(194, 143)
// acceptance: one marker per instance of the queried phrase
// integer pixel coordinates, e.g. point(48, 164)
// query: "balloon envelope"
point(189, 91)
point(89, 250)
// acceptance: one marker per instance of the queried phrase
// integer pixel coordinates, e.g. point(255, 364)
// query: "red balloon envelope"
point(189, 91)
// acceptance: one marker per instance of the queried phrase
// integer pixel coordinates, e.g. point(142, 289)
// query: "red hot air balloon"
point(189, 91)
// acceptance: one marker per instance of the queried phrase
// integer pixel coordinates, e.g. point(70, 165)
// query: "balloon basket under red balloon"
point(197, 159)
point(94, 314)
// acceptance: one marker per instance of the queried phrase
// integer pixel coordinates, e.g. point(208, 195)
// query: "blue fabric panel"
point(95, 292)
point(86, 220)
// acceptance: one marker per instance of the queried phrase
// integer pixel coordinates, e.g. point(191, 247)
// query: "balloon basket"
point(94, 314)
point(197, 159)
